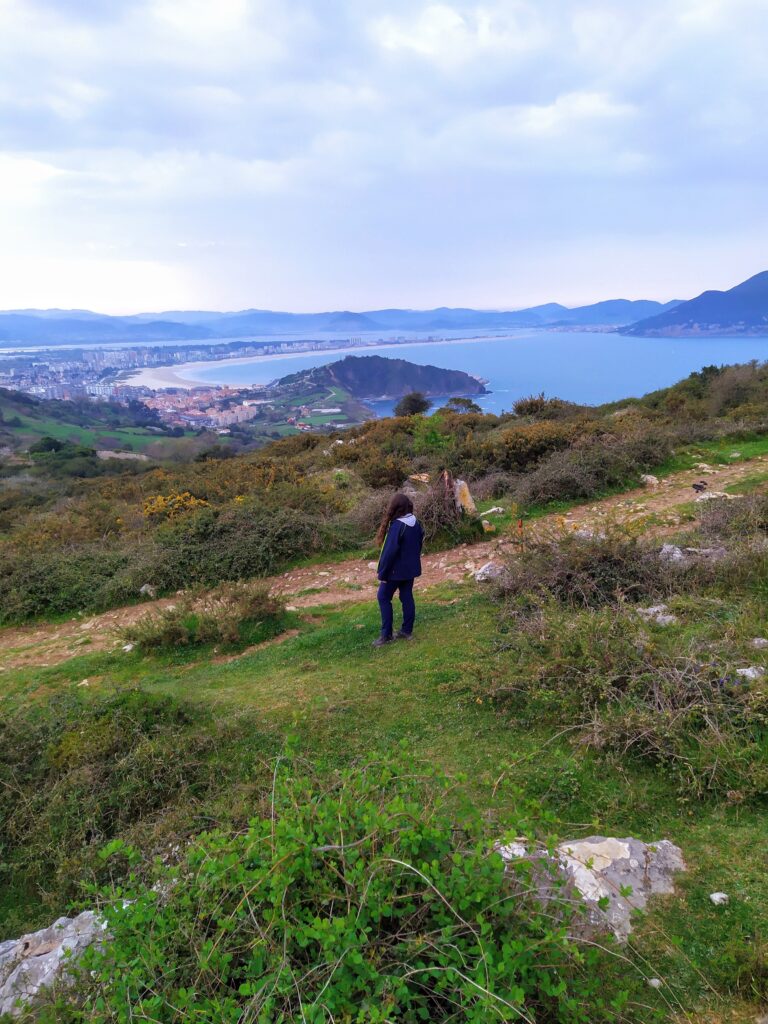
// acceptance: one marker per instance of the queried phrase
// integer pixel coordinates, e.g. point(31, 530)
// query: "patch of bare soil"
point(355, 580)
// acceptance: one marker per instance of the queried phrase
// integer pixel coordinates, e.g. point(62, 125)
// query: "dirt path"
point(354, 580)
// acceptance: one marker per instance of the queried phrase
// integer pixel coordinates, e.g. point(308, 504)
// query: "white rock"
point(655, 982)
point(373, 565)
point(760, 643)
point(41, 959)
point(657, 613)
point(719, 898)
point(712, 495)
point(671, 553)
point(649, 480)
point(753, 672)
point(621, 873)
point(148, 590)
point(497, 510)
point(128, 648)
point(489, 571)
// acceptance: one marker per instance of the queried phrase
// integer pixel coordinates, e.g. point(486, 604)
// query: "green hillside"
point(289, 821)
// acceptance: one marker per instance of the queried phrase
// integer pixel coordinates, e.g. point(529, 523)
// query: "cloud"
point(370, 151)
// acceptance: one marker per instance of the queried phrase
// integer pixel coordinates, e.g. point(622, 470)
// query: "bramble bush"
point(357, 898)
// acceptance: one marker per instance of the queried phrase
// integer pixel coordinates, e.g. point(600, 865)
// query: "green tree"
point(413, 404)
point(460, 404)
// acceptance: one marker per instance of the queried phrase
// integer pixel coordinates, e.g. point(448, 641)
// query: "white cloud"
point(365, 149)
point(448, 35)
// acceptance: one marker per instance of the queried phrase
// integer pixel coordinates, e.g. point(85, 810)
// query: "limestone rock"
point(753, 672)
point(148, 591)
point(42, 959)
point(718, 898)
point(671, 553)
point(649, 480)
point(657, 613)
point(489, 571)
point(759, 642)
point(622, 874)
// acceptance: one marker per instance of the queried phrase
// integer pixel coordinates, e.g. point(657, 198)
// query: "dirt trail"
point(355, 580)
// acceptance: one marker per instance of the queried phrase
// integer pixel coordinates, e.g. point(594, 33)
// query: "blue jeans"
point(386, 592)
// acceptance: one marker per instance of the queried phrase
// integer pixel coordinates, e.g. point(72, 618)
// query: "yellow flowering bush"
point(168, 506)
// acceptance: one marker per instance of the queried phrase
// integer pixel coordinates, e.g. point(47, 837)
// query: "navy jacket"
point(400, 557)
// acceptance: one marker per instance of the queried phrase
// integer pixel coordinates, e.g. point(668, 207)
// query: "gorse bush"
point(355, 900)
point(588, 571)
point(233, 613)
point(592, 466)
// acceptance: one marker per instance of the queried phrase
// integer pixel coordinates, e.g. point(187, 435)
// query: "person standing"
point(401, 536)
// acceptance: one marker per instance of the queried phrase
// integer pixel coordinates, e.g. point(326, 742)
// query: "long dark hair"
point(399, 505)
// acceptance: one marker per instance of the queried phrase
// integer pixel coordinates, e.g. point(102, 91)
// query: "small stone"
point(148, 591)
point(128, 648)
point(649, 480)
point(759, 642)
point(753, 672)
point(84, 683)
point(488, 527)
point(718, 898)
point(655, 982)
point(657, 613)
point(373, 565)
point(497, 510)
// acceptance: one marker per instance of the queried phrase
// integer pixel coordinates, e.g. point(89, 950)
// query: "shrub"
point(359, 899)
point(35, 583)
point(722, 518)
point(542, 408)
point(584, 571)
point(76, 772)
point(232, 613)
point(524, 446)
point(492, 486)
point(168, 506)
point(598, 675)
point(591, 467)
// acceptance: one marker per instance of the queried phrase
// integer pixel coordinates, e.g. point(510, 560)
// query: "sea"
point(585, 367)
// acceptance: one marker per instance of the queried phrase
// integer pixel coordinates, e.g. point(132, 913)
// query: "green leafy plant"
point(355, 900)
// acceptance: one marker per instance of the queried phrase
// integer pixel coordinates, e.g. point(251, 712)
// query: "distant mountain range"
point(377, 377)
point(66, 327)
point(742, 310)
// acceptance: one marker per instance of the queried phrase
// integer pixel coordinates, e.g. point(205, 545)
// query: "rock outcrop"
point(614, 876)
point(42, 960)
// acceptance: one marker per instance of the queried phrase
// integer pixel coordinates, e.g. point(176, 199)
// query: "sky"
point(359, 154)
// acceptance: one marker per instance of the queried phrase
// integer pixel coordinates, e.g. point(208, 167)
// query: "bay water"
point(583, 367)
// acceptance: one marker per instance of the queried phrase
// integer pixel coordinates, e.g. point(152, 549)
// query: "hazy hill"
point(740, 310)
point(48, 329)
point(377, 377)
point(59, 327)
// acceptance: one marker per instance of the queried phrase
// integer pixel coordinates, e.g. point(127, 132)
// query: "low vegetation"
point(242, 820)
point(232, 615)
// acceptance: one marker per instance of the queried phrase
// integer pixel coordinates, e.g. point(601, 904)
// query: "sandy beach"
point(181, 376)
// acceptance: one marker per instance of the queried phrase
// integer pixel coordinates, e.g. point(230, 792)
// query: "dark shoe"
point(381, 641)
point(400, 635)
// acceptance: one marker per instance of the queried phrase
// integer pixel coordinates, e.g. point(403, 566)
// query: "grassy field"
point(132, 438)
point(342, 700)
